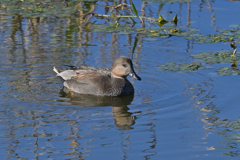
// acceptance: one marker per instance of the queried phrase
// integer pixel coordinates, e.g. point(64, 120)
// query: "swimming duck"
point(100, 81)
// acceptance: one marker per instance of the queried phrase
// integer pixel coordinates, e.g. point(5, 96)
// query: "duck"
point(100, 81)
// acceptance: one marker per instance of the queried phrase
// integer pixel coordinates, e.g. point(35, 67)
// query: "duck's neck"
point(115, 76)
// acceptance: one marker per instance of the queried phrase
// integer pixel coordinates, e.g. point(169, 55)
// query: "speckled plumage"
point(100, 81)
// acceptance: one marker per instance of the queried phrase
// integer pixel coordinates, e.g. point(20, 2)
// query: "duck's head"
point(122, 67)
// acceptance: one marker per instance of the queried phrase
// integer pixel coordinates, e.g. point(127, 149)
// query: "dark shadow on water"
point(123, 119)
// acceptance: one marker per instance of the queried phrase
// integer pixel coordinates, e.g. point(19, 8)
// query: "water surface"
point(172, 115)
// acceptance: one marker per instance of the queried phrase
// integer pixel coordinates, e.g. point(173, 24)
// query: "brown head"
point(122, 67)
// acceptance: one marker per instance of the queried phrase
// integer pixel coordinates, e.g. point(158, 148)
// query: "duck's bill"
point(134, 75)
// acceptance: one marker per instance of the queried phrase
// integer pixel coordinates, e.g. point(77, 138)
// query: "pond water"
point(172, 115)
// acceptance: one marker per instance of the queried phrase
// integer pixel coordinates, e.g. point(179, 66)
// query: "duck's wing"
point(87, 82)
point(90, 77)
point(72, 71)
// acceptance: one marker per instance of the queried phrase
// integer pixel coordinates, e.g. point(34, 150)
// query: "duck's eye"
point(124, 65)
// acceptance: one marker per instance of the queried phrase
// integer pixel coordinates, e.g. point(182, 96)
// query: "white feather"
point(66, 75)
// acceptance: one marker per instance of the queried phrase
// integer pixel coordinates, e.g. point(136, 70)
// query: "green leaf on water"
point(112, 15)
point(175, 19)
point(161, 21)
point(224, 56)
point(174, 30)
point(180, 67)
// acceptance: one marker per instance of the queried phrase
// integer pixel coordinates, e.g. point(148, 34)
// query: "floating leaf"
point(218, 57)
point(210, 58)
point(181, 67)
point(173, 30)
point(175, 19)
point(161, 21)
point(153, 31)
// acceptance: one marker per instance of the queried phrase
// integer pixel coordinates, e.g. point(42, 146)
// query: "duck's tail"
point(55, 70)
point(64, 74)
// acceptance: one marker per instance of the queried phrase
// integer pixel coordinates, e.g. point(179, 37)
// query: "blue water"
point(173, 115)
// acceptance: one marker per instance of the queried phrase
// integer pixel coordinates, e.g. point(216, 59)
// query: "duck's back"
point(98, 83)
point(95, 69)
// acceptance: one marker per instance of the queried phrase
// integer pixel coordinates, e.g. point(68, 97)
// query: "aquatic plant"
point(180, 67)
point(224, 56)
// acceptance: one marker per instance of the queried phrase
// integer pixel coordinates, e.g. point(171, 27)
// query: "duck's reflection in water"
point(123, 119)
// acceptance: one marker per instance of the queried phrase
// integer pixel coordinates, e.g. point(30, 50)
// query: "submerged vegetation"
point(31, 8)
point(225, 56)
point(117, 17)
point(126, 18)
point(181, 67)
point(208, 58)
